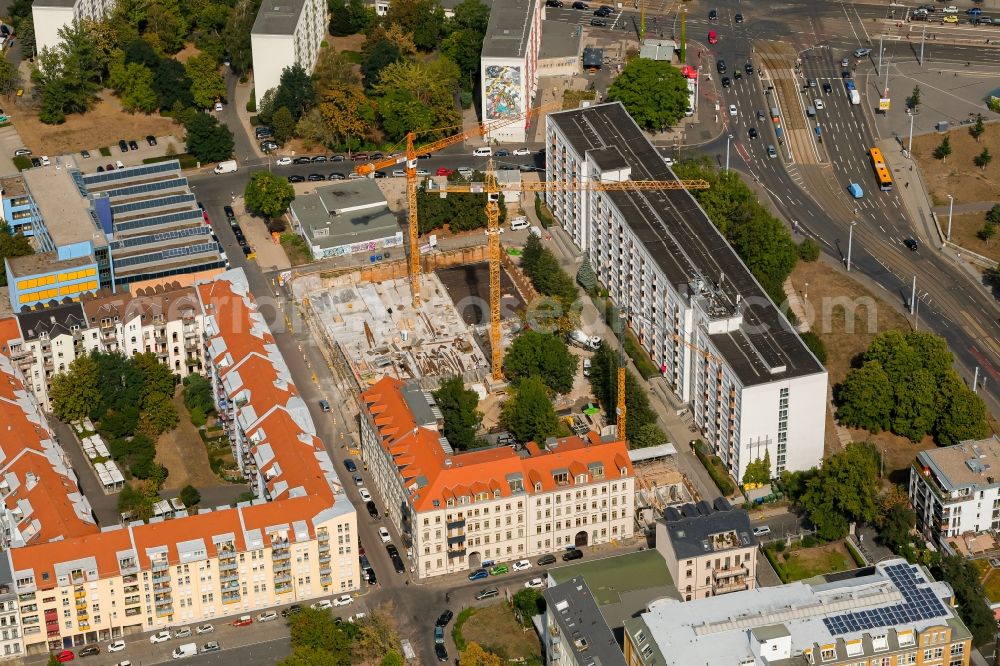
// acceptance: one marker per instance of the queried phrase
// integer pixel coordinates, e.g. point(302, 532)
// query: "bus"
point(881, 170)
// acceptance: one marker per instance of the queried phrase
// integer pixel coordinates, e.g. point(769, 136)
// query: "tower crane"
point(409, 158)
point(492, 189)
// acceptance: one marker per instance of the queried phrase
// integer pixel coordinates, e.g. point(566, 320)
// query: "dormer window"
point(450, 502)
point(496, 494)
point(580, 478)
point(538, 487)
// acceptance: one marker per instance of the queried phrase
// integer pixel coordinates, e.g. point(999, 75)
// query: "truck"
point(228, 166)
point(855, 96)
point(184, 651)
point(581, 339)
point(775, 116)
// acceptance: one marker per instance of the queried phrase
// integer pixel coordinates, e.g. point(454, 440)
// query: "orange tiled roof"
point(9, 330)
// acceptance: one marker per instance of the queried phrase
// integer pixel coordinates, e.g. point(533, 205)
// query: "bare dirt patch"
point(189, 51)
point(183, 453)
point(964, 227)
point(496, 629)
point(348, 43)
point(102, 126)
point(959, 175)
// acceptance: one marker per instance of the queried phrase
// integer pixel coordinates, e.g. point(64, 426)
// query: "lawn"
point(964, 227)
point(991, 580)
point(959, 175)
point(803, 563)
point(295, 249)
point(610, 577)
point(496, 629)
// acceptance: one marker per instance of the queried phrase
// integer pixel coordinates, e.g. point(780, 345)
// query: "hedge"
point(456, 632)
point(187, 160)
point(715, 469)
point(22, 162)
point(855, 555)
point(543, 212)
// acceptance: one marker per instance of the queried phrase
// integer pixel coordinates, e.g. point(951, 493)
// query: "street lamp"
point(729, 138)
point(850, 244)
point(951, 208)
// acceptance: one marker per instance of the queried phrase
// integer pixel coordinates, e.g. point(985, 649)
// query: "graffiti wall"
point(365, 246)
point(503, 91)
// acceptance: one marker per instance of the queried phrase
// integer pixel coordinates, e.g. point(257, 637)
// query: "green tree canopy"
point(296, 91)
point(77, 390)
point(417, 96)
point(236, 34)
point(382, 54)
point(528, 414)
point(283, 124)
point(190, 496)
point(268, 195)
point(207, 140)
point(654, 93)
point(349, 17)
point(308, 656)
point(424, 19)
point(647, 435)
point(458, 407)
point(207, 84)
point(134, 84)
point(315, 630)
point(970, 599)
point(758, 471)
point(67, 77)
point(542, 355)
point(842, 490)
point(12, 245)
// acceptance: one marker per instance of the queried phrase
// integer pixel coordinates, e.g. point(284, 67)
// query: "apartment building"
point(461, 509)
point(708, 552)
point(893, 613)
point(77, 583)
point(16, 205)
point(51, 16)
point(955, 490)
point(509, 66)
point(285, 33)
point(11, 642)
point(574, 631)
point(752, 385)
point(163, 320)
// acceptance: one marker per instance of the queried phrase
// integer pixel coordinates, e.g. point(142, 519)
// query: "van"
point(519, 223)
point(229, 166)
point(535, 230)
point(119, 164)
point(485, 151)
point(184, 651)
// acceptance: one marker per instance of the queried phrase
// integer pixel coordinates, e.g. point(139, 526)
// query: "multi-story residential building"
point(50, 16)
point(460, 509)
point(509, 65)
point(891, 614)
point(955, 490)
point(11, 642)
point(166, 321)
point(708, 552)
point(752, 385)
point(77, 583)
point(285, 33)
point(16, 206)
point(574, 632)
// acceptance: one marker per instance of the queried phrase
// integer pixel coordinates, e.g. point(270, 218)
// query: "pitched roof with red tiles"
point(433, 476)
point(9, 330)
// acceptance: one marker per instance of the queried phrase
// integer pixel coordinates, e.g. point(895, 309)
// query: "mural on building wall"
point(503, 91)
point(365, 246)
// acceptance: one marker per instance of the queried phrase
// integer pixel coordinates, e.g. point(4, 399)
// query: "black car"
point(315, 177)
point(372, 509)
point(738, 18)
point(713, 15)
point(726, 82)
point(574, 554)
point(721, 66)
point(296, 179)
point(380, 174)
point(319, 158)
point(752, 132)
point(444, 618)
point(247, 250)
point(749, 68)
point(133, 145)
point(35, 162)
point(911, 243)
point(440, 652)
point(827, 88)
point(151, 140)
point(598, 23)
point(301, 160)
point(375, 156)
point(336, 176)
point(349, 464)
point(546, 560)
point(337, 158)
point(100, 169)
point(580, 5)
point(291, 610)
point(553, 3)
point(89, 651)
point(85, 154)
point(122, 145)
point(242, 242)
point(604, 11)
point(228, 210)
point(427, 156)
point(266, 146)
point(370, 576)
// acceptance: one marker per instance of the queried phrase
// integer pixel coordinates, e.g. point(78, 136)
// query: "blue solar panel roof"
point(920, 603)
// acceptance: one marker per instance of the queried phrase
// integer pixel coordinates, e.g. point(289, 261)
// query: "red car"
point(712, 37)
point(443, 171)
point(64, 656)
point(243, 621)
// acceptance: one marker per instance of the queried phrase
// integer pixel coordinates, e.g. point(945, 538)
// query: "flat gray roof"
point(688, 248)
point(581, 623)
point(507, 31)
point(559, 40)
point(346, 212)
point(64, 210)
point(278, 17)
point(55, 3)
point(968, 464)
point(692, 537)
point(44, 262)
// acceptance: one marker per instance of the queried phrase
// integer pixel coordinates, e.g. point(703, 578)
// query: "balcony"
point(456, 540)
point(323, 559)
point(228, 564)
point(133, 611)
point(81, 605)
point(231, 577)
point(231, 597)
point(456, 552)
point(163, 611)
point(161, 565)
point(282, 554)
point(282, 588)
point(456, 524)
point(282, 578)
point(324, 546)
point(729, 585)
point(79, 594)
point(731, 572)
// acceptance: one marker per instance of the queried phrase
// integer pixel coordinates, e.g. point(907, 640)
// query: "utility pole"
point(951, 208)
point(975, 381)
point(850, 244)
point(729, 138)
point(909, 146)
point(913, 296)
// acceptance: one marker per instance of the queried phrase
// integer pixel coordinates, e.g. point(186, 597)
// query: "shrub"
point(105, 151)
point(715, 469)
point(779, 546)
point(22, 162)
point(808, 541)
point(808, 250)
point(252, 103)
point(190, 496)
point(815, 345)
point(465, 99)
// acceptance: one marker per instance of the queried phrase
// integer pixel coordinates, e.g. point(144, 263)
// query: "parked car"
point(487, 594)
point(183, 633)
point(133, 145)
point(359, 157)
point(267, 616)
point(574, 554)
point(291, 610)
point(122, 145)
point(383, 534)
point(89, 651)
point(116, 646)
point(535, 583)
point(319, 158)
point(911, 243)
point(159, 637)
point(440, 651)
point(761, 530)
point(64, 656)
point(151, 140)
point(521, 565)
point(283, 161)
point(301, 160)
point(22, 152)
point(372, 510)
point(204, 629)
point(521, 152)
point(365, 495)
point(343, 600)
point(85, 154)
point(738, 18)
point(503, 152)
point(336, 176)
point(268, 146)
point(243, 621)
point(294, 178)
point(444, 618)
point(323, 604)
point(444, 171)
point(827, 88)
point(752, 133)
point(545, 560)
point(230, 214)
point(499, 570)
point(211, 646)
point(438, 635)
point(479, 574)
point(370, 576)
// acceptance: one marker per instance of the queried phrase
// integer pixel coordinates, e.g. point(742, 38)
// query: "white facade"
point(11, 644)
point(508, 74)
point(751, 383)
point(286, 33)
point(50, 16)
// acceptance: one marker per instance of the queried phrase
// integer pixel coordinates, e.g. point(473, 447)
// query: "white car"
point(343, 600)
point(124, 663)
point(204, 629)
point(423, 172)
point(819, 104)
point(357, 616)
point(535, 583)
point(283, 161)
point(323, 604)
point(669, 161)
point(116, 646)
point(384, 535)
point(159, 637)
point(952, 9)
point(761, 531)
point(182, 633)
point(521, 152)
point(521, 565)
point(45, 160)
point(365, 495)
point(218, 106)
point(732, 110)
point(267, 617)
point(398, 173)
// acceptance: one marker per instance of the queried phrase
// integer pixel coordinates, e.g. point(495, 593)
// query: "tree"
point(943, 150)
point(166, 21)
point(475, 655)
point(190, 496)
point(421, 18)
point(333, 70)
point(376, 635)
point(75, 391)
point(392, 658)
point(529, 602)
point(895, 527)
point(808, 250)
point(604, 384)
point(160, 413)
point(207, 84)
point(283, 124)
point(307, 656)
point(961, 416)
point(458, 407)
point(842, 490)
point(12, 245)
point(983, 159)
point(759, 471)
point(134, 84)
point(766, 248)
point(236, 35)
point(470, 15)
point(197, 393)
point(381, 55)
point(528, 414)
point(268, 195)
point(314, 130)
point(915, 98)
point(865, 399)
point(349, 115)
point(542, 355)
point(417, 96)
point(978, 129)
point(10, 77)
point(207, 140)
point(172, 85)
point(349, 17)
point(296, 91)
point(68, 76)
point(465, 46)
point(963, 577)
point(987, 232)
point(313, 629)
point(654, 93)
point(993, 214)
point(649, 434)
point(585, 276)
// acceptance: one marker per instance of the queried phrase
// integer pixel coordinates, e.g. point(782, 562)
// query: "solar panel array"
point(193, 216)
point(172, 253)
point(919, 603)
point(130, 172)
point(173, 200)
point(138, 241)
point(145, 188)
